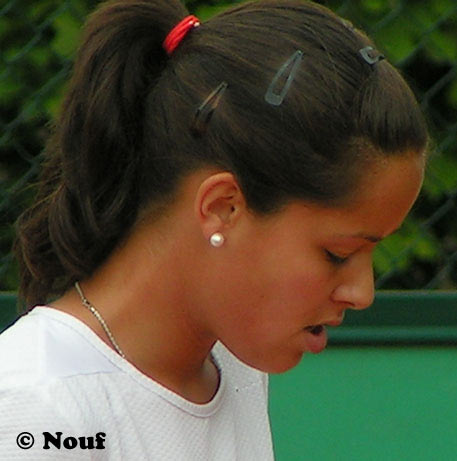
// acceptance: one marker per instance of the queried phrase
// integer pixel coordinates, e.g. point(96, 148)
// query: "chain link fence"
point(37, 43)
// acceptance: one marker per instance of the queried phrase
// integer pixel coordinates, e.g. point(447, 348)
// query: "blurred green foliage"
point(38, 41)
point(421, 39)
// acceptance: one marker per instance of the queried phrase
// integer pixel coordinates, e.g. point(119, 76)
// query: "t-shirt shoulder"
point(45, 344)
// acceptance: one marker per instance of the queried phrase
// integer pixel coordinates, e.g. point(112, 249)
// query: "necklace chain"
point(100, 319)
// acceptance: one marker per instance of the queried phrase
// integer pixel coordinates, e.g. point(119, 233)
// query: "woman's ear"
point(219, 203)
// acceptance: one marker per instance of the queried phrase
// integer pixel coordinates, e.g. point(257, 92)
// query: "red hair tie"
point(179, 32)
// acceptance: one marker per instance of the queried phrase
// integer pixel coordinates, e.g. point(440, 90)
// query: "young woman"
point(211, 199)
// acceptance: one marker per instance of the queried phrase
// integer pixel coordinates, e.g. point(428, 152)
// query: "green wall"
point(366, 403)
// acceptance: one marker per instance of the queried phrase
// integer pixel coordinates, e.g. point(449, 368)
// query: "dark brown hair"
point(124, 139)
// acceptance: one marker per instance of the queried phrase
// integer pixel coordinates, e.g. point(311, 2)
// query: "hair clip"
point(288, 69)
point(370, 55)
point(348, 24)
point(204, 113)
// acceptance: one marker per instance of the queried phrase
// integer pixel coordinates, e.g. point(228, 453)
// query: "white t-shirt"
point(61, 384)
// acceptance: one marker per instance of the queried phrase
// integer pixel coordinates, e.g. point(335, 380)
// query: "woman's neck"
point(145, 297)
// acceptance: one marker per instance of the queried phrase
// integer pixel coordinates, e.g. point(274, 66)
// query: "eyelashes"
point(335, 259)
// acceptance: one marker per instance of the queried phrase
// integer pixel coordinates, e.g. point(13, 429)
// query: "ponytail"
point(88, 195)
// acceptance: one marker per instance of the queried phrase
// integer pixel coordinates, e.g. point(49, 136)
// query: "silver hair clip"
point(370, 55)
point(289, 70)
point(204, 113)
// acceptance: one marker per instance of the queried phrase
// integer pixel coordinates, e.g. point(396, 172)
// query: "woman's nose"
point(356, 289)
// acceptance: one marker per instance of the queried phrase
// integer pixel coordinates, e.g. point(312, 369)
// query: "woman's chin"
point(276, 365)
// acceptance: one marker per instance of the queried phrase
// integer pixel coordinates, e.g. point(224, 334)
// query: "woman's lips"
point(314, 329)
point(316, 338)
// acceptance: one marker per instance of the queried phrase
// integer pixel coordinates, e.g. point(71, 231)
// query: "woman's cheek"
point(308, 283)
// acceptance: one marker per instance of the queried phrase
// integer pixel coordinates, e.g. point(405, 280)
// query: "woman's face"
point(305, 266)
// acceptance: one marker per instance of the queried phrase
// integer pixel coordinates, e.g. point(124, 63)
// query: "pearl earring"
point(217, 239)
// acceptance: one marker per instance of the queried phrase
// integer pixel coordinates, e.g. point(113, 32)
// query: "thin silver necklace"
point(98, 316)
